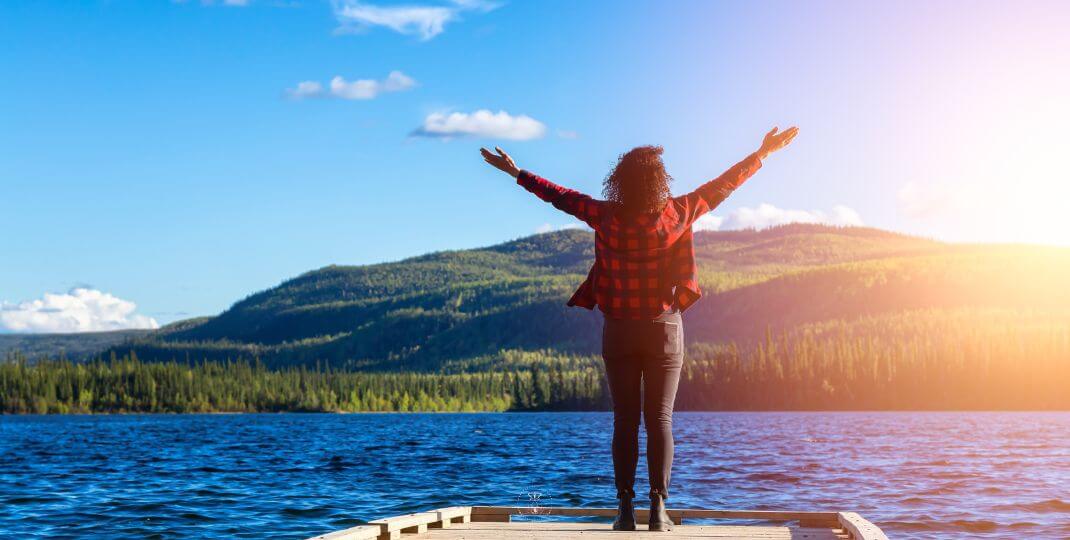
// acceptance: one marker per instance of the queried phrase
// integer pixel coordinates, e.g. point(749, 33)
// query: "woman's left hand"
point(775, 141)
point(500, 161)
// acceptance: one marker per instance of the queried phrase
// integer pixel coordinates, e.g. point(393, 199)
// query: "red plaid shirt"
point(643, 265)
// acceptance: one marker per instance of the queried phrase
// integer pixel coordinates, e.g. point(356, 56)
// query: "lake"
point(917, 475)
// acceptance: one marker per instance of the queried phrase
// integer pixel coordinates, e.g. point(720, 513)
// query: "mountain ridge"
point(446, 307)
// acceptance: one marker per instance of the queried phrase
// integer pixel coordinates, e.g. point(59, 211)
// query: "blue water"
point(918, 475)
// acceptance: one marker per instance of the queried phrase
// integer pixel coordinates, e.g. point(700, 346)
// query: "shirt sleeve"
point(711, 194)
point(583, 207)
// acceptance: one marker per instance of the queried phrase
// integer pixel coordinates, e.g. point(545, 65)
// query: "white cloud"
point(306, 89)
point(1024, 207)
point(767, 215)
point(340, 88)
point(481, 5)
point(426, 21)
point(367, 89)
point(708, 222)
point(546, 227)
point(482, 123)
point(79, 310)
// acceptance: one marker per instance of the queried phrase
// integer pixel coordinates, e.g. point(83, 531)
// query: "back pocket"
point(670, 337)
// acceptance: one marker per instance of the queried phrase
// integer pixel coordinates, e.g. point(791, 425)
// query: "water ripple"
point(919, 475)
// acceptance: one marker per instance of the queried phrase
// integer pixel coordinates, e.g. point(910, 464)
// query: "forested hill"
point(458, 310)
point(799, 317)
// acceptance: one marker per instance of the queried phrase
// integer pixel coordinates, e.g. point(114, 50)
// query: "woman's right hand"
point(775, 141)
point(500, 161)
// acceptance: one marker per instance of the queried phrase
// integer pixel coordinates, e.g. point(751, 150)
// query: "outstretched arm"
point(711, 194)
point(573, 202)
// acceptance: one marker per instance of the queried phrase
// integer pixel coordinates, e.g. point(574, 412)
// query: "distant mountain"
point(73, 346)
point(426, 312)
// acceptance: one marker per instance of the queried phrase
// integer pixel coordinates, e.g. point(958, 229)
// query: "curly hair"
point(638, 182)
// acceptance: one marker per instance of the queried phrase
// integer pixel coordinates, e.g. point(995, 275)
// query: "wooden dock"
point(495, 522)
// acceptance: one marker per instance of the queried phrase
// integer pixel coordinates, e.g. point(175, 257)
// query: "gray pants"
point(643, 356)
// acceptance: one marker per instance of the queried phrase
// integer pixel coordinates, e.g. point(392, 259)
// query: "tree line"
point(127, 385)
point(912, 361)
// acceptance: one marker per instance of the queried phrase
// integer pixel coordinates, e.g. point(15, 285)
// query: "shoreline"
point(358, 413)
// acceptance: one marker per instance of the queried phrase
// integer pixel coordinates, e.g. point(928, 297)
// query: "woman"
point(643, 277)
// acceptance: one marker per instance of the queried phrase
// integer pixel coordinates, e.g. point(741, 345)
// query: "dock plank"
point(521, 530)
point(494, 522)
point(486, 513)
point(859, 528)
point(360, 532)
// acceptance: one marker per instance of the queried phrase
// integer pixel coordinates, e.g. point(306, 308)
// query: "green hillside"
point(799, 317)
point(446, 308)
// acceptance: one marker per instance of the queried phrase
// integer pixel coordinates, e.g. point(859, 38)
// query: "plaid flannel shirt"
point(644, 265)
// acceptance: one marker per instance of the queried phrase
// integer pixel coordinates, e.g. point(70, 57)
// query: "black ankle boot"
point(625, 520)
point(659, 518)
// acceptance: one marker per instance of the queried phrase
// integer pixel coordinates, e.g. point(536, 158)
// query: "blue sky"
point(161, 153)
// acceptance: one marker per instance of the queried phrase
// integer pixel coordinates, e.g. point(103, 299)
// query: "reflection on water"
point(918, 475)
